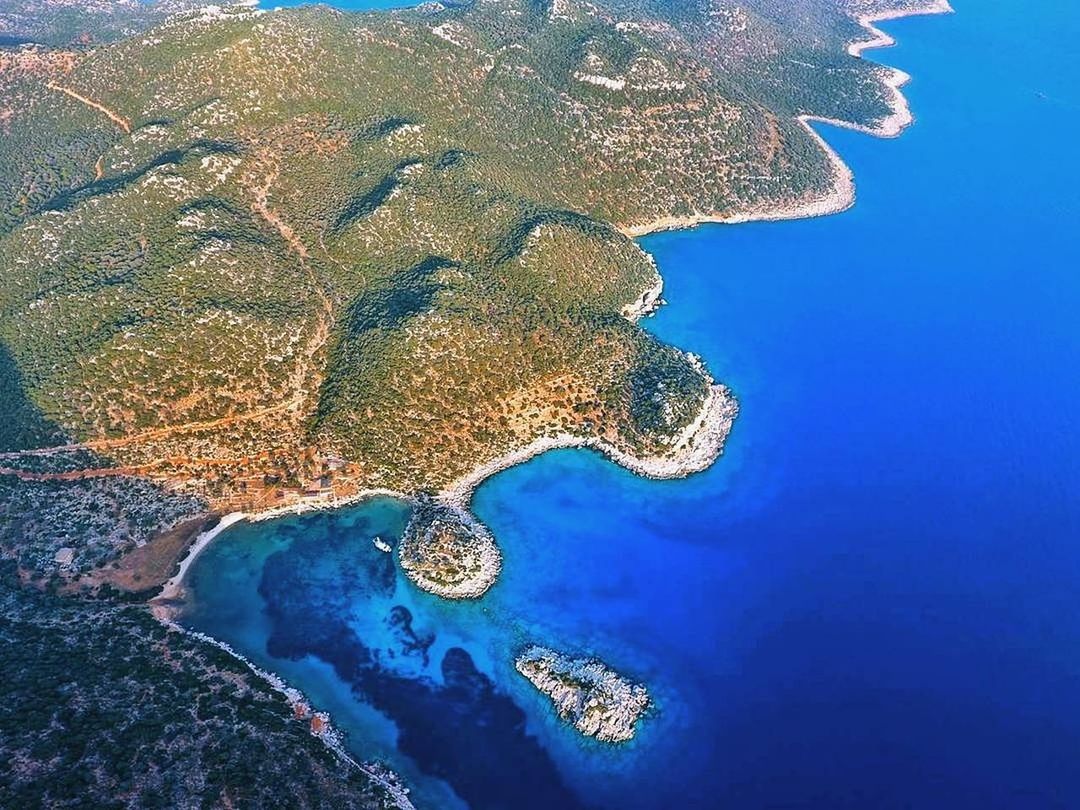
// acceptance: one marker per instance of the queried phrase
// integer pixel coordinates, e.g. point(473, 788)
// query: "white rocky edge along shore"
point(841, 194)
point(586, 693)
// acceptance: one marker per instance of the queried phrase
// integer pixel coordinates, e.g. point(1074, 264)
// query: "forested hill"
point(401, 229)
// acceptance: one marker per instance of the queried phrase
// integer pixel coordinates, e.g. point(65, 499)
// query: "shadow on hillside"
point(22, 424)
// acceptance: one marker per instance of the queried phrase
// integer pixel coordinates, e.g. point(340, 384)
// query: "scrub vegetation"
point(260, 257)
point(105, 707)
point(252, 259)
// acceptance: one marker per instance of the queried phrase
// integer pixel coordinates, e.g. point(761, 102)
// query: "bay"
point(870, 600)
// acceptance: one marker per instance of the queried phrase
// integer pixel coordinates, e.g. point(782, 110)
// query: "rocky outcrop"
point(448, 552)
point(587, 693)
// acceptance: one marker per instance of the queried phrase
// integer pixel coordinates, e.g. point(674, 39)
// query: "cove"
point(870, 600)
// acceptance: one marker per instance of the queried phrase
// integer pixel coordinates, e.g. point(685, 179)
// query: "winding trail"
point(116, 118)
point(154, 433)
point(113, 472)
point(299, 381)
point(303, 382)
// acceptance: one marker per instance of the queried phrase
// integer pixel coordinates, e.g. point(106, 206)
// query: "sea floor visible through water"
point(870, 600)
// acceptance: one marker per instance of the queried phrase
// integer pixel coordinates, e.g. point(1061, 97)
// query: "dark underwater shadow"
point(458, 727)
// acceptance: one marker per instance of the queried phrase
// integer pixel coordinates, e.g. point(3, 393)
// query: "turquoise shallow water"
point(870, 601)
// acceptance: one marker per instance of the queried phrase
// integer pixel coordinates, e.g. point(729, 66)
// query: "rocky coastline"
point(319, 722)
point(696, 447)
point(839, 197)
point(650, 300)
point(841, 193)
point(446, 551)
point(586, 693)
point(880, 39)
point(703, 440)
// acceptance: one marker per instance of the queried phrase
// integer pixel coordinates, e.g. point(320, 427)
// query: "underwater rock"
point(400, 621)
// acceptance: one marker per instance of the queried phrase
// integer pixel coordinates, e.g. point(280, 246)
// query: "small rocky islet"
point(448, 552)
point(586, 693)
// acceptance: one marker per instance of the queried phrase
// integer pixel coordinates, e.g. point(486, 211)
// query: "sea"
point(872, 600)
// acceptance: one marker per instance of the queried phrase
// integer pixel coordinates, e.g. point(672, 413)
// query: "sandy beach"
point(173, 589)
point(174, 585)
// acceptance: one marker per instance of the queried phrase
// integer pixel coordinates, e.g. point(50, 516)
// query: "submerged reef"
point(324, 599)
point(586, 693)
point(448, 552)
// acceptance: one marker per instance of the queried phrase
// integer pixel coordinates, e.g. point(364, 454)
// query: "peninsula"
point(418, 278)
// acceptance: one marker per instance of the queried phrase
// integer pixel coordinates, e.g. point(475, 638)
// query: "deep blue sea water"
point(872, 600)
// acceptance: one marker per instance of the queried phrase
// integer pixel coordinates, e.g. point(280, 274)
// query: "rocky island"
point(586, 693)
point(448, 552)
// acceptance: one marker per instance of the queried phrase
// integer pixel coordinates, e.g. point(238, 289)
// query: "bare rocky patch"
point(586, 693)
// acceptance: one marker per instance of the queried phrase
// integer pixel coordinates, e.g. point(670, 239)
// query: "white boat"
point(382, 545)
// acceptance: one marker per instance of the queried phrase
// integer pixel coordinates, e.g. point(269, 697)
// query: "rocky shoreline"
point(586, 693)
point(696, 447)
point(319, 722)
point(720, 409)
point(890, 126)
point(449, 553)
point(839, 197)
point(596, 700)
point(442, 527)
point(880, 39)
point(841, 194)
point(650, 300)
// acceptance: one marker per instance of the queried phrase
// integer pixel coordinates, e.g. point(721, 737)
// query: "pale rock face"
point(586, 693)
